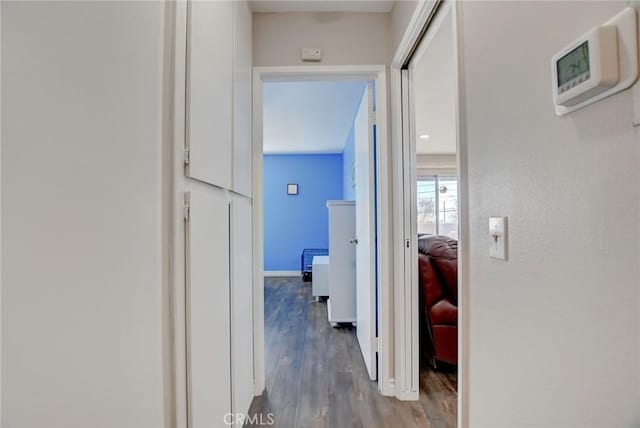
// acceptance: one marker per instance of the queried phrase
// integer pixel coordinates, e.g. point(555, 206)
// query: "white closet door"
point(208, 315)
point(210, 91)
point(241, 305)
point(242, 77)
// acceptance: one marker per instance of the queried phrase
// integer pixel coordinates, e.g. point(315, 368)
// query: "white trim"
point(339, 203)
point(1, 222)
point(283, 273)
point(398, 229)
point(391, 387)
point(178, 289)
point(463, 223)
point(385, 235)
point(411, 203)
point(421, 14)
point(404, 316)
point(259, 375)
point(321, 72)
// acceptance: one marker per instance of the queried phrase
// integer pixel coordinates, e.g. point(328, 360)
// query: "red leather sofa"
point(438, 272)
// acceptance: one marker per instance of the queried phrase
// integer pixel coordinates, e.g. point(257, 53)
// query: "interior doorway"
point(432, 196)
point(372, 303)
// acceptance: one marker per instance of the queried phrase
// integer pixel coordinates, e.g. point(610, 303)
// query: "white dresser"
point(342, 262)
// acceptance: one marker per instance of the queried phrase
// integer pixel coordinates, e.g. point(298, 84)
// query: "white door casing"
point(378, 73)
point(365, 233)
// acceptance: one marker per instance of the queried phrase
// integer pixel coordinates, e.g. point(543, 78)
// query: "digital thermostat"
point(601, 62)
point(587, 67)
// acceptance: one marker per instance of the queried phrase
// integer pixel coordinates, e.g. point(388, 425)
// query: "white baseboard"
point(282, 273)
point(388, 389)
point(407, 395)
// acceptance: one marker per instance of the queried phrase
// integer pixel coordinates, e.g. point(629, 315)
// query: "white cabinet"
point(241, 305)
point(320, 278)
point(242, 78)
point(342, 262)
point(219, 230)
point(210, 58)
point(219, 75)
point(208, 309)
point(219, 306)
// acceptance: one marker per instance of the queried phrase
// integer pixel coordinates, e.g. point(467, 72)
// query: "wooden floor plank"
point(313, 405)
point(438, 397)
point(316, 376)
point(343, 409)
point(285, 386)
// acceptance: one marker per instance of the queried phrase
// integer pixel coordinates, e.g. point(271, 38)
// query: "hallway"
point(316, 376)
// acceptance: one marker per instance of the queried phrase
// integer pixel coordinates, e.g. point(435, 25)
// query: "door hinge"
point(187, 206)
point(378, 344)
point(408, 243)
point(186, 156)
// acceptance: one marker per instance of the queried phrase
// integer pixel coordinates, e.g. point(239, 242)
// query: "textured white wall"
point(82, 317)
point(554, 330)
point(436, 164)
point(346, 38)
point(400, 16)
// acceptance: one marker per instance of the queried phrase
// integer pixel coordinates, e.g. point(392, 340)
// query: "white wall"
point(429, 164)
point(346, 38)
point(400, 15)
point(433, 83)
point(82, 284)
point(554, 331)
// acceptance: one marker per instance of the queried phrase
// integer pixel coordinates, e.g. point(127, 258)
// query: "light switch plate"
point(498, 238)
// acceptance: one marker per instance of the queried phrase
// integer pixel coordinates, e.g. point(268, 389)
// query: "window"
point(438, 205)
point(427, 200)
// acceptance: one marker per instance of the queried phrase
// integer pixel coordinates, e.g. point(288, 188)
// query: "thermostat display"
point(573, 68)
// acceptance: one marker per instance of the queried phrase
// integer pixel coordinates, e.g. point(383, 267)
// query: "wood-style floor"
point(316, 376)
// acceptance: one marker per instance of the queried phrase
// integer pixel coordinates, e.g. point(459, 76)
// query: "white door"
point(210, 91)
point(365, 233)
point(242, 76)
point(208, 324)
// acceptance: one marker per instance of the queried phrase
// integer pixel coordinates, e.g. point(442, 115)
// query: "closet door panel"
point(210, 91)
point(242, 99)
point(241, 305)
point(208, 313)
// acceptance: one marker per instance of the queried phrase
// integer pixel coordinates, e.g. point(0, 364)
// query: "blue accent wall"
point(348, 156)
point(293, 223)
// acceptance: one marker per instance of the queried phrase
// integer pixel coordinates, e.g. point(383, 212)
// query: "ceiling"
point(322, 5)
point(309, 117)
point(434, 82)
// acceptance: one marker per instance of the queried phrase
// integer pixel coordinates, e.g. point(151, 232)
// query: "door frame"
point(405, 224)
point(377, 73)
